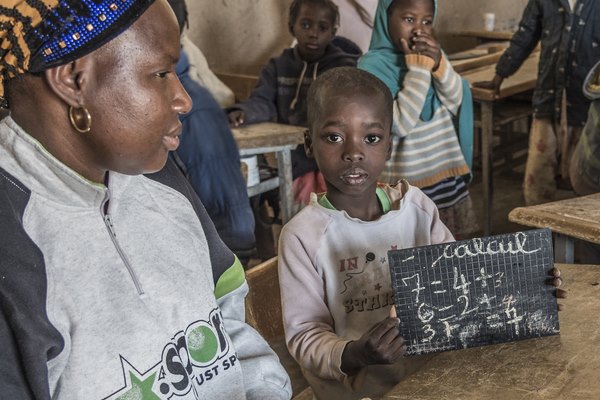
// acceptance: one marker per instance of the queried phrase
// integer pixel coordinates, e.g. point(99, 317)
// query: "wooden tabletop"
point(267, 134)
point(554, 367)
point(578, 217)
point(488, 35)
point(522, 80)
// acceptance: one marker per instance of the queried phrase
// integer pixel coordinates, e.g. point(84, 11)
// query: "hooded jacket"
point(280, 93)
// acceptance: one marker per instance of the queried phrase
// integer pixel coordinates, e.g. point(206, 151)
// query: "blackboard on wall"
point(475, 292)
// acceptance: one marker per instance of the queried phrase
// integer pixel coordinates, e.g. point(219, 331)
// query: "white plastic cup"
point(253, 171)
point(489, 20)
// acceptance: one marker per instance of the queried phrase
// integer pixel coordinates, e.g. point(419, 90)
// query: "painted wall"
point(239, 36)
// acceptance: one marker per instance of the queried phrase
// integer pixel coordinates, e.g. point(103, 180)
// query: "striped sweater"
point(426, 152)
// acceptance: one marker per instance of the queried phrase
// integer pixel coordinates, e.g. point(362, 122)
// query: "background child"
point(280, 93)
point(569, 42)
point(430, 98)
point(333, 254)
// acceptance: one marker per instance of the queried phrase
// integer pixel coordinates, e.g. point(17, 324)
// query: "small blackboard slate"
point(475, 292)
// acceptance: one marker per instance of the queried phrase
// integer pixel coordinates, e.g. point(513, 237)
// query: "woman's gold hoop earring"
point(80, 119)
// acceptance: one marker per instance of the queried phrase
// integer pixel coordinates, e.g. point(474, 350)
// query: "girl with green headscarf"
point(433, 116)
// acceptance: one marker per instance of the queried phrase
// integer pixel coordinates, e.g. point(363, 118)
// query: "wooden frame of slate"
point(475, 292)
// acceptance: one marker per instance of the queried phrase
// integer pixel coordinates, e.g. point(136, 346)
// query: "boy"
point(335, 282)
point(569, 49)
point(281, 89)
point(333, 253)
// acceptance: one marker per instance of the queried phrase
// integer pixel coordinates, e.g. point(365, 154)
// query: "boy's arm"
point(448, 86)
point(261, 105)
point(523, 41)
point(308, 324)
point(410, 99)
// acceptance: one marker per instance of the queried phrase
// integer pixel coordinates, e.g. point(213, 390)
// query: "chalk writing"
point(477, 247)
point(474, 292)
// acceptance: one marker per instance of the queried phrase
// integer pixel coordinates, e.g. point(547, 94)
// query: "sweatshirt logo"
point(192, 359)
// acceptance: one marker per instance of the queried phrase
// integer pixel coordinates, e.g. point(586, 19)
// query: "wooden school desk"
point(522, 81)
point(576, 218)
point(563, 367)
point(483, 35)
point(270, 137)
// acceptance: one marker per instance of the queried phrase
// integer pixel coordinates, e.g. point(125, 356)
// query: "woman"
point(112, 284)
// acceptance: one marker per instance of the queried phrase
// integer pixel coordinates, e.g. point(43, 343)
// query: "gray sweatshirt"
point(118, 292)
point(335, 285)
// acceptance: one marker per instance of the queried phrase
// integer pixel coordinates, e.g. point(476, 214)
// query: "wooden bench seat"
point(263, 313)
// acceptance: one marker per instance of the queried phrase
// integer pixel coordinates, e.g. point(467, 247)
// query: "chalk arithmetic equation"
point(475, 292)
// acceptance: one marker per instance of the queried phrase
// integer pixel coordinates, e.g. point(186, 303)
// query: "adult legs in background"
point(539, 185)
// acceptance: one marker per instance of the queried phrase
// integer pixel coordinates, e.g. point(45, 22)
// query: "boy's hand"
point(494, 84)
point(382, 344)
point(424, 43)
point(556, 281)
point(236, 118)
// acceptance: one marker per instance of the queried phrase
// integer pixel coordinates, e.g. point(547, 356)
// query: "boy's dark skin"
point(314, 28)
point(350, 139)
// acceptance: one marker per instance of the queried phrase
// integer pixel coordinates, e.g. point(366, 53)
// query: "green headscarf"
point(386, 62)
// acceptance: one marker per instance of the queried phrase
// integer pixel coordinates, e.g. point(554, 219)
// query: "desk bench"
point(576, 218)
point(270, 137)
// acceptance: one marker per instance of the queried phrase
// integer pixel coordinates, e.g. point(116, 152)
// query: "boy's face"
point(314, 29)
point(351, 143)
point(407, 17)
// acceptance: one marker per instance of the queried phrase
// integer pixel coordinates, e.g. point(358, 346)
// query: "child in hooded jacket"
point(280, 94)
point(433, 117)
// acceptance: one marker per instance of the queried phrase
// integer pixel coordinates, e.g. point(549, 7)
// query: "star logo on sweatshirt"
point(140, 388)
point(137, 385)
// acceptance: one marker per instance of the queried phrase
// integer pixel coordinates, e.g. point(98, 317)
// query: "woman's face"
point(135, 97)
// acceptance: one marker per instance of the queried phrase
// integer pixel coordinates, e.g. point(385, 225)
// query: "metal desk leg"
point(284, 166)
point(564, 249)
point(487, 131)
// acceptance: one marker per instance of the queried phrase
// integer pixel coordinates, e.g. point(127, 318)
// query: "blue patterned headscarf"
point(386, 62)
point(39, 34)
